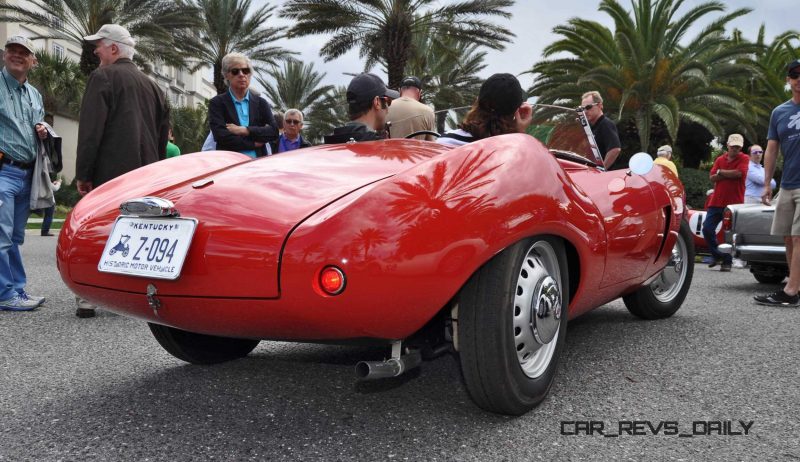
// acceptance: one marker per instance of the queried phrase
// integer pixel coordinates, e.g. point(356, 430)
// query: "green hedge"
point(695, 183)
point(68, 194)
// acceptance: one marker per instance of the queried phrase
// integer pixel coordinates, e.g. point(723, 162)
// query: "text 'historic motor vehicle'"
point(484, 251)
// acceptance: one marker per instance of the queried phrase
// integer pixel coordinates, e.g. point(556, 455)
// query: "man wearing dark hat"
point(21, 114)
point(499, 109)
point(604, 130)
point(408, 115)
point(784, 132)
point(124, 120)
point(368, 102)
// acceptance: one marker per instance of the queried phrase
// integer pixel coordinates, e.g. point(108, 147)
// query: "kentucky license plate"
point(148, 247)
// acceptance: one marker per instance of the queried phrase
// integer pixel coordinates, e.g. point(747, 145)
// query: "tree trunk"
point(219, 82)
point(89, 61)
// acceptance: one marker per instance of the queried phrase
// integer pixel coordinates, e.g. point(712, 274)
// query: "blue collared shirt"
point(243, 111)
point(21, 108)
point(285, 144)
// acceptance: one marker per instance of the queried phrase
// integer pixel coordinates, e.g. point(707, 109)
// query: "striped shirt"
point(21, 109)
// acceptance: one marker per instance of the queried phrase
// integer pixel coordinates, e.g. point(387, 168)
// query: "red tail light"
point(332, 280)
point(727, 220)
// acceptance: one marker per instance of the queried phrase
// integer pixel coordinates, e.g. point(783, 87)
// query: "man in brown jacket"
point(124, 118)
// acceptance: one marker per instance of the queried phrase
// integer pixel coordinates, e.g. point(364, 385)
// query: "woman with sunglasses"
point(754, 184)
point(499, 109)
point(240, 120)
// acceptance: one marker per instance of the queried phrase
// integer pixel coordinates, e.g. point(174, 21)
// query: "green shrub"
point(68, 194)
point(695, 182)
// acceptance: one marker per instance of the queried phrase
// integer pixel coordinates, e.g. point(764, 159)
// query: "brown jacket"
point(123, 124)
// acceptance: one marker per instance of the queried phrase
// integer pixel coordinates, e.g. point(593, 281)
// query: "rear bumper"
point(755, 253)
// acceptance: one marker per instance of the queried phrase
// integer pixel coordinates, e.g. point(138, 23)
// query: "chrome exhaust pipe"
point(373, 370)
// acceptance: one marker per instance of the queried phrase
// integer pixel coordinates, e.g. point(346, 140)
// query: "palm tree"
point(228, 26)
point(449, 71)
point(383, 30)
point(60, 82)
point(297, 85)
point(157, 25)
point(190, 127)
point(648, 78)
point(328, 112)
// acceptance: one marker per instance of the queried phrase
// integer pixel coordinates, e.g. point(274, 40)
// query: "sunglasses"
point(244, 70)
point(386, 100)
point(292, 122)
point(589, 106)
point(794, 75)
point(756, 152)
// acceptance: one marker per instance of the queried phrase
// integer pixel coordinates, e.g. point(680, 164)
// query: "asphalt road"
point(102, 389)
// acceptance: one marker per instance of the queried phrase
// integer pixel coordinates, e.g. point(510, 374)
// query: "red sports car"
point(484, 250)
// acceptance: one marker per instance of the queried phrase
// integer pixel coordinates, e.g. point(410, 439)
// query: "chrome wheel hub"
point(537, 309)
point(669, 283)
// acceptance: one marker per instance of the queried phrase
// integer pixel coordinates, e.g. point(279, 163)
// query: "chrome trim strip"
point(148, 207)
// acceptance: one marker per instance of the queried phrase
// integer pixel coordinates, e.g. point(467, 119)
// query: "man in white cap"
point(728, 174)
point(21, 114)
point(124, 120)
point(664, 157)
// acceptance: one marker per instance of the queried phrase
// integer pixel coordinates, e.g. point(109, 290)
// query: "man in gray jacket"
point(124, 118)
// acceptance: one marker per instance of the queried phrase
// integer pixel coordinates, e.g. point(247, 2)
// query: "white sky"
point(533, 20)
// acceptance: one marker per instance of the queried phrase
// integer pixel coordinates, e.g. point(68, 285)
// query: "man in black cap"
point(408, 115)
point(784, 132)
point(368, 102)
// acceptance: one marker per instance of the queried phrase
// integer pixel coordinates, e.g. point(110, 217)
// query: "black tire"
point(769, 278)
point(507, 362)
point(665, 295)
point(200, 348)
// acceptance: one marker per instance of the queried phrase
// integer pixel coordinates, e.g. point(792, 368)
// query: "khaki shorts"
point(786, 221)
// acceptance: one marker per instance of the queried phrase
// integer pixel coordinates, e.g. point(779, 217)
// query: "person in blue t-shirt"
point(784, 130)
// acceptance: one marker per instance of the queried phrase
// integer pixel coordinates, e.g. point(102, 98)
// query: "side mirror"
point(640, 163)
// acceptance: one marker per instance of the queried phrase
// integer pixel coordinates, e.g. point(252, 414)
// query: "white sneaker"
point(17, 303)
point(27, 296)
point(737, 263)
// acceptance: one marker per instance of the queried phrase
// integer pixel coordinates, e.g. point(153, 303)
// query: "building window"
point(56, 23)
point(58, 51)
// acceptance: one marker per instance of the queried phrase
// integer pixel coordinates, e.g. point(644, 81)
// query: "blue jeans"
point(15, 196)
point(713, 218)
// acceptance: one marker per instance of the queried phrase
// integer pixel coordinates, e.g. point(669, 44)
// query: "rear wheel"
point(200, 348)
point(512, 323)
point(769, 278)
point(665, 295)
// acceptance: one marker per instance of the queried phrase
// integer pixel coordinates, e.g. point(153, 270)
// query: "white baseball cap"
point(24, 42)
point(113, 32)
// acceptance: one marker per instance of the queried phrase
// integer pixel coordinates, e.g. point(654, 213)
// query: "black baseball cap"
point(501, 94)
point(366, 86)
point(793, 66)
point(411, 81)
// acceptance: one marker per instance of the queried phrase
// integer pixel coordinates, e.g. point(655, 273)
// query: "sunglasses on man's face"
point(589, 106)
point(244, 70)
point(794, 75)
point(756, 152)
point(386, 100)
point(292, 122)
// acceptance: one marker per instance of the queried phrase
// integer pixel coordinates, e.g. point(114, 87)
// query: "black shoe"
point(779, 298)
point(725, 268)
point(48, 234)
point(714, 263)
point(85, 313)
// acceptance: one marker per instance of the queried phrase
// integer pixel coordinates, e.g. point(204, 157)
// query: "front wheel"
point(200, 348)
point(665, 295)
point(512, 321)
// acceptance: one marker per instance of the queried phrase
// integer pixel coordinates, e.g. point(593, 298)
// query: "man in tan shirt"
point(407, 115)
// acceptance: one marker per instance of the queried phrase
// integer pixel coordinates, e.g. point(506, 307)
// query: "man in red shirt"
point(728, 173)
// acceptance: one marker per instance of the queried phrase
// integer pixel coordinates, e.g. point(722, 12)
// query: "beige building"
point(181, 87)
